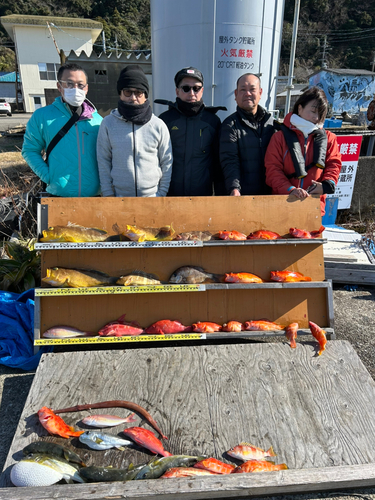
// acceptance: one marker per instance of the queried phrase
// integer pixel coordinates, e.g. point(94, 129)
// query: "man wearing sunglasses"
point(67, 130)
point(194, 130)
point(134, 148)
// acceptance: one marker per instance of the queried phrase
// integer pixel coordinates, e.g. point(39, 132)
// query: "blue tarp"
point(17, 331)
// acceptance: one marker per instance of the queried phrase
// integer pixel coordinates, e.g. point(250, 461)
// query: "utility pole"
point(290, 85)
point(60, 52)
point(103, 38)
point(373, 61)
point(325, 46)
point(116, 45)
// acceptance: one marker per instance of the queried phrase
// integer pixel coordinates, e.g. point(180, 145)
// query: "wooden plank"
point(350, 275)
point(317, 412)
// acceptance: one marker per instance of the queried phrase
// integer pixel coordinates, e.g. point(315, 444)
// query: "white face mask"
point(74, 97)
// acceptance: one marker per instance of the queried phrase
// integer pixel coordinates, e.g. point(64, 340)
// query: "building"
point(8, 89)
point(38, 42)
point(298, 89)
point(349, 90)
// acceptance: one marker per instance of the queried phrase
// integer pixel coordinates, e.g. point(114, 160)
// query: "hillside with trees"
point(338, 33)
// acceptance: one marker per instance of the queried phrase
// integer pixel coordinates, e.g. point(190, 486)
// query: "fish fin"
point(270, 452)
point(244, 443)
point(307, 278)
point(130, 466)
point(98, 441)
point(120, 448)
point(73, 224)
point(283, 466)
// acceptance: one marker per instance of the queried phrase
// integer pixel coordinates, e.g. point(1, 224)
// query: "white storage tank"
point(223, 39)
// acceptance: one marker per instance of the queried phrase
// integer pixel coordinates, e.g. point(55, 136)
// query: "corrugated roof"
point(10, 77)
point(71, 22)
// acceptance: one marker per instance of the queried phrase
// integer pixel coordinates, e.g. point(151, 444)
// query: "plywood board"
point(316, 411)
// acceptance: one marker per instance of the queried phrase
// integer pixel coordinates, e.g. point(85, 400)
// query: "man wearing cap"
point(134, 148)
point(245, 135)
point(194, 130)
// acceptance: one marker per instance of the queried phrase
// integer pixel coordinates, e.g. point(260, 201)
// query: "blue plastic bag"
point(17, 331)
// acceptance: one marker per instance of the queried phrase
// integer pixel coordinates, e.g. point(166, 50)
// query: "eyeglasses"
point(71, 85)
point(195, 88)
point(129, 93)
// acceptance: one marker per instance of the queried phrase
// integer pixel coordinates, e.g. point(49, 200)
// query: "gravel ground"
point(354, 321)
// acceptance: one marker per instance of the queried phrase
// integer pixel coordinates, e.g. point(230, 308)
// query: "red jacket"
point(279, 163)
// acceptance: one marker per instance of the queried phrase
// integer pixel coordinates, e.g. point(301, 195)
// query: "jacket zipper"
point(79, 160)
point(135, 168)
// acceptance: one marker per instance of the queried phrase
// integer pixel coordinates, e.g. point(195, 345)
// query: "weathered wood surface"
point(340, 272)
point(316, 411)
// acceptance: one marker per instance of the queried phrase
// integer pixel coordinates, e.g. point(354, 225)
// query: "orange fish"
point(288, 276)
point(55, 424)
point(231, 235)
point(206, 327)
point(246, 451)
point(264, 235)
point(319, 334)
point(186, 472)
point(233, 326)
point(291, 334)
point(262, 326)
point(214, 465)
point(242, 278)
point(147, 439)
point(301, 233)
point(258, 466)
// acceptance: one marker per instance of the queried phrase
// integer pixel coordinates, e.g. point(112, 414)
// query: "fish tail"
point(217, 278)
point(270, 452)
point(306, 278)
point(166, 453)
point(282, 467)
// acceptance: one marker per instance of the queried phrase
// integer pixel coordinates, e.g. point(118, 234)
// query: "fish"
point(302, 233)
point(231, 235)
point(42, 470)
point(214, 465)
point(242, 278)
point(233, 326)
point(64, 332)
point(246, 451)
point(262, 326)
point(93, 474)
point(320, 335)
point(140, 234)
point(147, 439)
point(193, 274)
point(138, 278)
point(264, 235)
point(76, 278)
point(121, 328)
point(167, 326)
point(291, 334)
point(117, 403)
point(73, 233)
point(258, 466)
point(48, 448)
point(100, 441)
point(55, 424)
point(157, 467)
point(206, 327)
point(194, 235)
point(186, 472)
point(107, 420)
point(288, 276)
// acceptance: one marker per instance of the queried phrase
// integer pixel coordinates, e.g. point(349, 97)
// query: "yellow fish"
point(74, 234)
point(140, 234)
point(76, 278)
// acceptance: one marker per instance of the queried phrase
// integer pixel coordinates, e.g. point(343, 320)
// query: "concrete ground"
point(354, 321)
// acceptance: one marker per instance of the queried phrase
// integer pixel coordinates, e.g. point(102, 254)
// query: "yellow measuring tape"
point(113, 290)
point(135, 338)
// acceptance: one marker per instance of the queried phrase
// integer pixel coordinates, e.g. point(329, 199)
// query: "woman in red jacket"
point(303, 158)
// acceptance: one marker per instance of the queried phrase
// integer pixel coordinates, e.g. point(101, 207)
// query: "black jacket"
point(243, 145)
point(195, 146)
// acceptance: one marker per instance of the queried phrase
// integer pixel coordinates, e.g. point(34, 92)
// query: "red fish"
point(302, 233)
point(242, 278)
point(147, 439)
point(246, 451)
point(319, 334)
point(264, 235)
point(233, 326)
point(291, 334)
point(186, 472)
point(167, 326)
point(262, 325)
point(55, 424)
point(288, 276)
point(214, 465)
point(231, 235)
point(120, 328)
point(258, 466)
point(206, 327)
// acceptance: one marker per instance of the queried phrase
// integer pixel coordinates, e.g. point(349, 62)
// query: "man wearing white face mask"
point(67, 131)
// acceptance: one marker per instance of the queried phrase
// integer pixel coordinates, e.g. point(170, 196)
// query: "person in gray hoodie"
point(134, 149)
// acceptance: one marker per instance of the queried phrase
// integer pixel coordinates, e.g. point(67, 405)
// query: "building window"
point(48, 71)
point(101, 76)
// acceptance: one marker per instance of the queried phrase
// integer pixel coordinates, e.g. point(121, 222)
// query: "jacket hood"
point(287, 120)
point(60, 104)
point(173, 105)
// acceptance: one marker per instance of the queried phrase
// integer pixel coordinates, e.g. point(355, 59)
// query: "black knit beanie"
point(133, 77)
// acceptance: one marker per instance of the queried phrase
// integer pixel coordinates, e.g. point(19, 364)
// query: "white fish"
point(107, 420)
point(62, 332)
point(101, 441)
point(42, 470)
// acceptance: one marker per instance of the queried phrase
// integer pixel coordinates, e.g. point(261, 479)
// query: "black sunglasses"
point(195, 88)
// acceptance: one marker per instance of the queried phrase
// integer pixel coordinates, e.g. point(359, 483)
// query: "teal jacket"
point(72, 168)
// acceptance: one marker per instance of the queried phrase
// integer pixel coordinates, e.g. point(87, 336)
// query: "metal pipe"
point(290, 85)
point(213, 57)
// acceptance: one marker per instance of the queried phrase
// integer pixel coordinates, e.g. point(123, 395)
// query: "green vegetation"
point(20, 270)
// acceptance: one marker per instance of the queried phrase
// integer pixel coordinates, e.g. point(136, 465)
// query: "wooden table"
point(316, 411)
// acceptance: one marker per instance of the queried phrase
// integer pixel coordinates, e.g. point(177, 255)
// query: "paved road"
point(7, 122)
